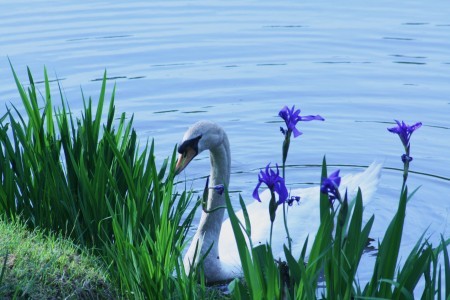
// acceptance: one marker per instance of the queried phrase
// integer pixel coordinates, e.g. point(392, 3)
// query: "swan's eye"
point(191, 144)
point(184, 154)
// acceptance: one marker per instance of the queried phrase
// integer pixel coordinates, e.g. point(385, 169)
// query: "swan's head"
point(203, 135)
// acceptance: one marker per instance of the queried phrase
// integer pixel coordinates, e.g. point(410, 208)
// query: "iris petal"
point(274, 182)
point(282, 191)
point(311, 118)
point(291, 117)
point(296, 132)
point(404, 131)
point(330, 186)
point(255, 191)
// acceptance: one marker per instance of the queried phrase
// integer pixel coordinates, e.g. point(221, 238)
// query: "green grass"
point(88, 179)
point(47, 266)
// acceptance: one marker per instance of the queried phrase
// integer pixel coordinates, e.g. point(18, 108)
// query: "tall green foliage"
point(336, 253)
point(87, 177)
point(55, 168)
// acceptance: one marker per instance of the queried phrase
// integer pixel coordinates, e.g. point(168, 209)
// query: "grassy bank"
point(46, 266)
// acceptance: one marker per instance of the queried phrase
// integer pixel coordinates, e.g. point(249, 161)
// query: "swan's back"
point(367, 181)
point(303, 219)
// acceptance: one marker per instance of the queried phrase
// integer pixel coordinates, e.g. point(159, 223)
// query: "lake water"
point(359, 64)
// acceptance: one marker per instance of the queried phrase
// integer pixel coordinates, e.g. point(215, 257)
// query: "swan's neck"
point(208, 232)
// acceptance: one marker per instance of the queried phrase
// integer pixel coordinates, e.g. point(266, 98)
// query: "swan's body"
point(222, 263)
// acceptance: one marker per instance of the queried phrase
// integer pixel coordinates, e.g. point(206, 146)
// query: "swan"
point(222, 262)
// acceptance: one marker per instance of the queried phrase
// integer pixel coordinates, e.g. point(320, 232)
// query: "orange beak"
point(184, 159)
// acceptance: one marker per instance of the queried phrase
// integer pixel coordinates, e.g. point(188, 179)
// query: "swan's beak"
point(184, 159)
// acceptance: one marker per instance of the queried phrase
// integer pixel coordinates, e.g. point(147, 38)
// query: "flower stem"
point(286, 227)
point(271, 228)
point(405, 167)
point(272, 211)
point(405, 174)
point(287, 140)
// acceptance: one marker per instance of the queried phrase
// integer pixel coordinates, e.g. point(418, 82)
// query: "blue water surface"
point(359, 64)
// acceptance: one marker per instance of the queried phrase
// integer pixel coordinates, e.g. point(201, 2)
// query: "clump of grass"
point(47, 266)
point(88, 179)
point(54, 167)
point(150, 264)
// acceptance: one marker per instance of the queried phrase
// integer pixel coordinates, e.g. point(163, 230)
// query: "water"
point(358, 64)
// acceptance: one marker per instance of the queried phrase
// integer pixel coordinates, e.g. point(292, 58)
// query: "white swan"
point(222, 263)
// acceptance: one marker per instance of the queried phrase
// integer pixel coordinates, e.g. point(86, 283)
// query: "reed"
point(87, 178)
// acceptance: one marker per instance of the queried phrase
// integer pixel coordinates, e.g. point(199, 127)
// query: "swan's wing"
point(260, 226)
point(368, 182)
point(303, 219)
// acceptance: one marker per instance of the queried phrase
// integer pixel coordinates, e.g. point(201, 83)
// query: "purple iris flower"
point(404, 131)
point(274, 182)
point(406, 158)
point(218, 188)
point(291, 117)
point(291, 200)
point(330, 186)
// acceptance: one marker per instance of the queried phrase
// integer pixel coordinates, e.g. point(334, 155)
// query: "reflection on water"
point(359, 65)
point(109, 78)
